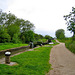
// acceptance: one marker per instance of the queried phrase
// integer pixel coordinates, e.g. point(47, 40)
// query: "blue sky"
point(46, 15)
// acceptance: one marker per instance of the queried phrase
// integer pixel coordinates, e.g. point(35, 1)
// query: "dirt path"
point(62, 60)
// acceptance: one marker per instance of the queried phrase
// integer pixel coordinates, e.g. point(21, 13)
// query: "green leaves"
point(70, 45)
point(15, 27)
point(70, 21)
point(29, 36)
point(4, 36)
point(60, 34)
point(47, 37)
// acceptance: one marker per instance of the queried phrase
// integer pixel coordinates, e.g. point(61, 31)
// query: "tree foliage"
point(47, 37)
point(29, 36)
point(70, 21)
point(4, 36)
point(60, 34)
point(38, 36)
point(13, 27)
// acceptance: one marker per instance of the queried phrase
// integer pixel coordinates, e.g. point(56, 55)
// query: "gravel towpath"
point(62, 61)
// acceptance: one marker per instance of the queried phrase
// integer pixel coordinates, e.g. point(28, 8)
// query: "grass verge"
point(30, 63)
point(69, 44)
point(4, 46)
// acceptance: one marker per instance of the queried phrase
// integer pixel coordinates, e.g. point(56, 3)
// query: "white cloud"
point(46, 15)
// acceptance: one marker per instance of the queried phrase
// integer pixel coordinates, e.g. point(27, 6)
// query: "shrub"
point(70, 45)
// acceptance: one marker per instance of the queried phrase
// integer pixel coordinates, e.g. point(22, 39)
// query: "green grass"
point(54, 41)
point(69, 44)
point(4, 46)
point(40, 40)
point(29, 63)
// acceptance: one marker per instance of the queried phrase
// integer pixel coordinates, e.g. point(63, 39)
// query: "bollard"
point(7, 58)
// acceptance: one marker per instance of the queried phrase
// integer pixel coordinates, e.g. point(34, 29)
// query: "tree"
point(16, 26)
point(60, 34)
point(7, 19)
point(23, 38)
point(47, 37)
point(10, 19)
point(36, 36)
point(16, 39)
point(29, 36)
point(40, 36)
point(2, 17)
point(26, 26)
point(4, 36)
point(71, 21)
point(13, 29)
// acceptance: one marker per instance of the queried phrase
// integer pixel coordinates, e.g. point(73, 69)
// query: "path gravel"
point(62, 61)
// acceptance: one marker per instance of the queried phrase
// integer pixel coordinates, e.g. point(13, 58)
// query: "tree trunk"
point(73, 38)
point(73, 34)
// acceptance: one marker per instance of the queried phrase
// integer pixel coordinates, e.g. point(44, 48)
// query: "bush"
point(70, 45)
point(16, 39)
point(4, 38)
point(73, 38)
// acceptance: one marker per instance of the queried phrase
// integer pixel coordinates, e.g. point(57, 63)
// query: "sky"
point(46, 15)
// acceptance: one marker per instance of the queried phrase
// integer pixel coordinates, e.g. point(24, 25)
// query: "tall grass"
point(69, 43)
